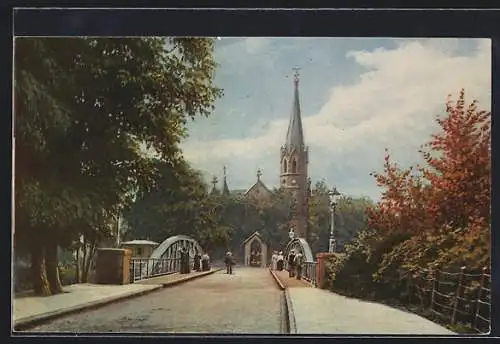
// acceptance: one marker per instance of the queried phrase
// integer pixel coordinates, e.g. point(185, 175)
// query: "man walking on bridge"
point(229, 261)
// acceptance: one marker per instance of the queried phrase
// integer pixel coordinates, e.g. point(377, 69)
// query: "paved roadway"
point(247, 302)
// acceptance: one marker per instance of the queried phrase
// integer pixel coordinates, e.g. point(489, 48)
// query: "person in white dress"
point(274, 260)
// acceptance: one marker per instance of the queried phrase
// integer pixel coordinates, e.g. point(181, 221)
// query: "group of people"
point(294, 263)
point(277, 261)
point(201, 261)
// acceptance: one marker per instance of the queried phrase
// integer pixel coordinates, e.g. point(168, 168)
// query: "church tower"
point(294, 163)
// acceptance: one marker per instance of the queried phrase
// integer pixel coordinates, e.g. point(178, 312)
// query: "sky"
point(358, 96)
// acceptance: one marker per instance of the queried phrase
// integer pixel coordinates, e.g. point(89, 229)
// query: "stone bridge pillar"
point(321, 259)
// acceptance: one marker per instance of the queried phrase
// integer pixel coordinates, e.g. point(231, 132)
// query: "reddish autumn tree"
point(460, 173)
point(432, 215)
point(403, 205)
point(453, 188)
point(448, 197)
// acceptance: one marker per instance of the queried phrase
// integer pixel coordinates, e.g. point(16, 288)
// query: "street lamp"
point(334, 196)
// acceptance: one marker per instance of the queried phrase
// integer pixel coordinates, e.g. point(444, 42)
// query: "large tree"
point(84, 107)
point(438, 214)
point(446, 201)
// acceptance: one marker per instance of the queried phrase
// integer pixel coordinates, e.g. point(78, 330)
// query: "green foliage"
point(360, 262)
point(85, 109)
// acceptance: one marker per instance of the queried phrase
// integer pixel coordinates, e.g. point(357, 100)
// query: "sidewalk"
point(29, 309)
point(318, 311)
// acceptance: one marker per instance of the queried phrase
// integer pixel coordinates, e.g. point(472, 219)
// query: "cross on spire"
point(259, 174)
point(296, 75)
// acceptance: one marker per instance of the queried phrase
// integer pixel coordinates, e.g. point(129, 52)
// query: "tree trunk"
point(84, 261)
point(90, 256)
point(77, 267)
point(52, 266)
point(40, 282)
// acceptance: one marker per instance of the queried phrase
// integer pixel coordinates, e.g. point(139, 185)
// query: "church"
point(293, 171)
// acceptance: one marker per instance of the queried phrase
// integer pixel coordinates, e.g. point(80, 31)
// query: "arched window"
point(294, 166)
point(284, 166)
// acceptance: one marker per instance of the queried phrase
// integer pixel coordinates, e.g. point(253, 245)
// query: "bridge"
point(253, 300)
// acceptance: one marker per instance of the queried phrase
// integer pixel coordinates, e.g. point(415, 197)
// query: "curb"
point(189, 278)
point(277, 280)
point(292, 326)
point(31, 321)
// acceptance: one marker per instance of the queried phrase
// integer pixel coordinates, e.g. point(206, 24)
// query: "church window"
point(294, 166)
point(284, 165)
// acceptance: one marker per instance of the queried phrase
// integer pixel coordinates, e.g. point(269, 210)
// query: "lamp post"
point(334, 197)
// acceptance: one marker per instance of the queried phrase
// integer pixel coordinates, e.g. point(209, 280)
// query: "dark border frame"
point(268, 22)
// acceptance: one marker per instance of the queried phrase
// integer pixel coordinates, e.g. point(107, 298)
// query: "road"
point(247, 302)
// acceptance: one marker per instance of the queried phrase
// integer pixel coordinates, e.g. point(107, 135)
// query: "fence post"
point(435, 286)
point(457, 295)
point(479, 294)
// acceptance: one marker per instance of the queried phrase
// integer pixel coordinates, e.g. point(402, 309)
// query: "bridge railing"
point(142, 268)
point(308, 271)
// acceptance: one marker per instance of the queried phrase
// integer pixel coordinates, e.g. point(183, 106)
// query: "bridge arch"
point(170, 249)
point(300, 244)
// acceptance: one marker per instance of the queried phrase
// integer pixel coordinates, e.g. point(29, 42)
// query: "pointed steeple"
point(295, 135)
point(225, 188)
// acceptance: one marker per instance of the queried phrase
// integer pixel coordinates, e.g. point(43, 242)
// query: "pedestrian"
point(298, 264)
point(205, 262)
point(280, 261)
point(197, 262)
point(274, 261)
point(291, 264)
point(184, 261)
point(229, 261)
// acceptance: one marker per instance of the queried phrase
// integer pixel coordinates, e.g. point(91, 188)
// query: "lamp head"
point(334, 196)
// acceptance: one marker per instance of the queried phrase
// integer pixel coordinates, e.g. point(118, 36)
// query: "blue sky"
point(357, 97)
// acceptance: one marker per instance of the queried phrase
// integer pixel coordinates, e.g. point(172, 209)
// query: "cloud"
point(392, 104)
point(256, 45)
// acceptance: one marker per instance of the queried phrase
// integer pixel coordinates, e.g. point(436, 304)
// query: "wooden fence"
point(455, 297)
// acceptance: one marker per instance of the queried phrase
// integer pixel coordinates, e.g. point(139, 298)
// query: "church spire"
point(225, 188)
point(295, 135)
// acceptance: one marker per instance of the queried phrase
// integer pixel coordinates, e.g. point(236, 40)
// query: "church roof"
point(295, 134)
point(252, 236)
point(258, 184)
